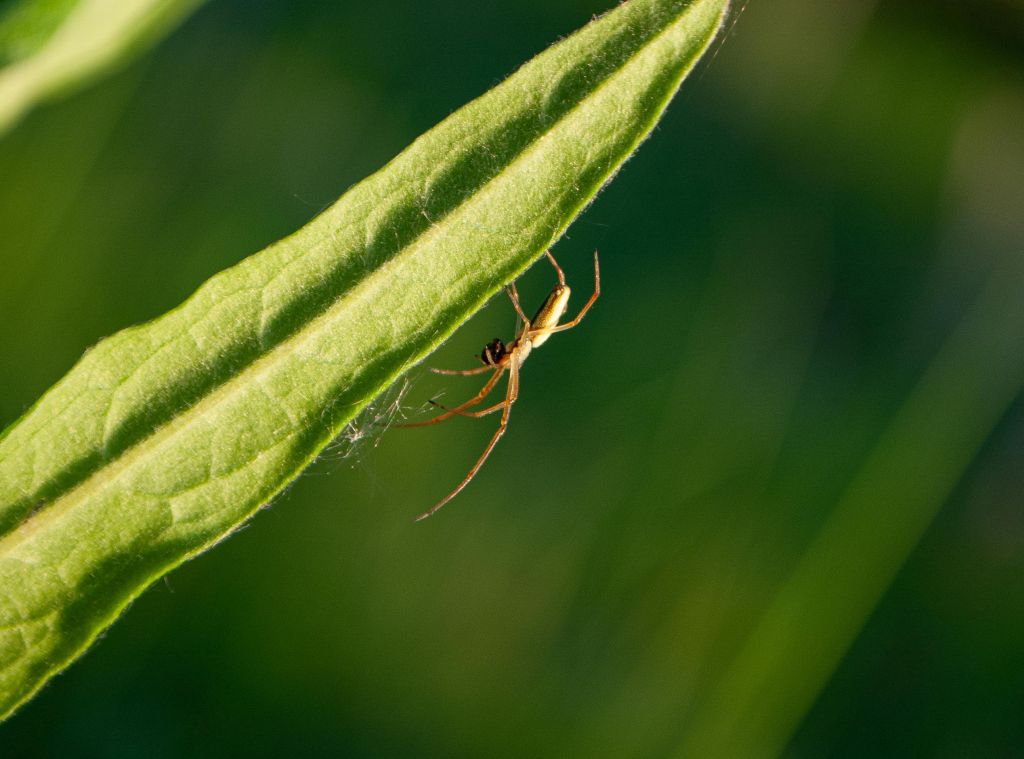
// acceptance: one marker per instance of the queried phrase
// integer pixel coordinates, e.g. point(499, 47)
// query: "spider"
point(498, 357)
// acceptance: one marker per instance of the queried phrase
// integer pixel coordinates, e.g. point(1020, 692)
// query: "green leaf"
point(50, 46)
point(167, 436)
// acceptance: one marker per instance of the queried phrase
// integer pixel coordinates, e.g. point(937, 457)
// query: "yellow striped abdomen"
point(548, 315)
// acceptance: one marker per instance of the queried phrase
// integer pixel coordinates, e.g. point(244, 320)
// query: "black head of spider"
point(493, 352)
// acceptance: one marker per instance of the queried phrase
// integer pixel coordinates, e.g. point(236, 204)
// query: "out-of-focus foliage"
point(26, 24)
point(51, 46)
point(692, 526)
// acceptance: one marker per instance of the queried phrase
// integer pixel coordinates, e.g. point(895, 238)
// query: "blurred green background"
point(766, 500)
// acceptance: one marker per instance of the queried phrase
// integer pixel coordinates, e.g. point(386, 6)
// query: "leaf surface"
point(167, 436)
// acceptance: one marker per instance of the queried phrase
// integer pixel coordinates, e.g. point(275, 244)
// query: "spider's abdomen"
point(548, 315)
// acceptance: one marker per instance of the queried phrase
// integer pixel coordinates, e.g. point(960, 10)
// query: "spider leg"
point(475, 414)
point(558, 269)
point(510, 397)
point(463, 372)
point(484, 391)
point(513, 294)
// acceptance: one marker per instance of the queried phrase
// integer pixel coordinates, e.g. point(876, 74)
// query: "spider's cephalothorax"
point(494, 352)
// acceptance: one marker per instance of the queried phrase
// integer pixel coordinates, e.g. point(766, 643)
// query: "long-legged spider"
point(499, 357)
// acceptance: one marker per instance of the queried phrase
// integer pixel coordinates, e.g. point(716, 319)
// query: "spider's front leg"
point(476, 399)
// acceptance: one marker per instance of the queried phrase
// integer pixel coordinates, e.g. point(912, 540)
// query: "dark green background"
point(820, 209)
